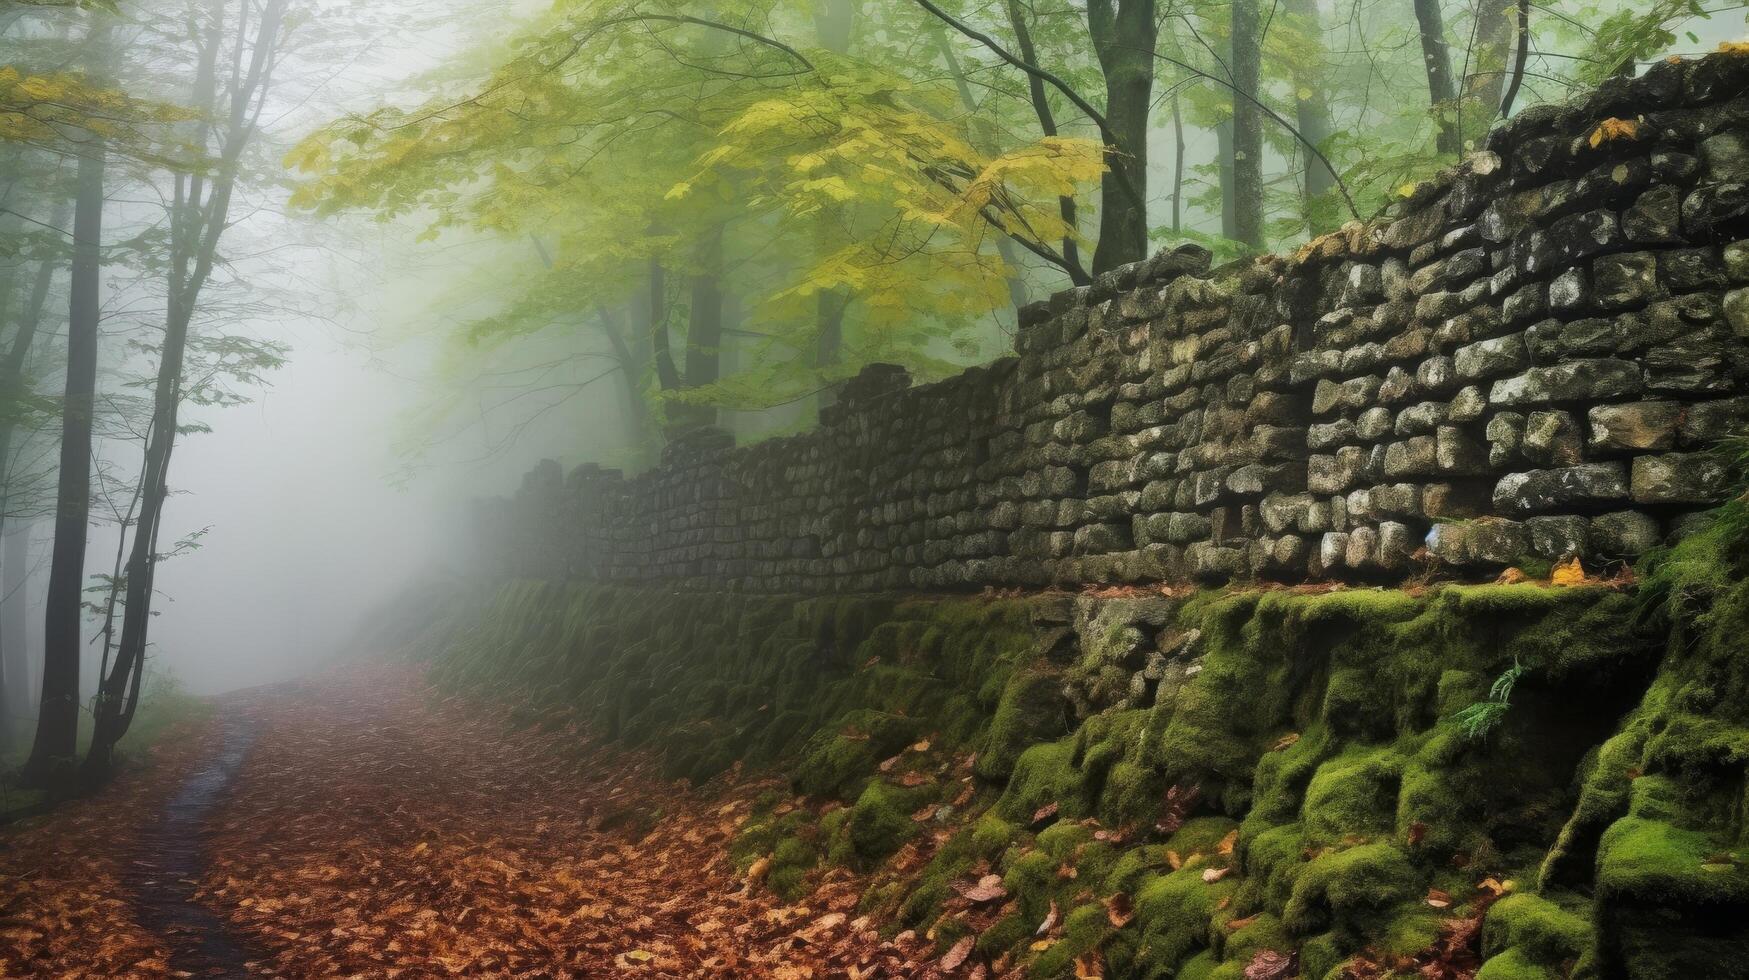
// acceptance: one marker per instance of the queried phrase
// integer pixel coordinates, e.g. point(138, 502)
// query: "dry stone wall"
point(1531, 359)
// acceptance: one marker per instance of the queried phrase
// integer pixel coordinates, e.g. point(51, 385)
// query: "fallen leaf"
point(1511, 576)
point(1119, 910)
point(1089, 966)
point(1240, 923)
point(1050, 921)
point(1286, 742)
point(1229, 842)
point(1614, 129)
point(957, 955)
point(1569, 572)
point(1212, 875)
point(1417, 833)
point(1044, 814)
point(1271, 965)
point(1438, 899)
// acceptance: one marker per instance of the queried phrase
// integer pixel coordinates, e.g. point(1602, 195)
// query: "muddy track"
point(171, 857)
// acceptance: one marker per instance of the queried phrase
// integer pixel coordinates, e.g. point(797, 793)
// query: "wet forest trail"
point(361, 824)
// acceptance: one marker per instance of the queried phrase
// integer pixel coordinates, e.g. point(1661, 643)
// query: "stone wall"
point(1531, 358)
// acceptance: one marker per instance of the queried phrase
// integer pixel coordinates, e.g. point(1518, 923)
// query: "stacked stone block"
point(1533, 359)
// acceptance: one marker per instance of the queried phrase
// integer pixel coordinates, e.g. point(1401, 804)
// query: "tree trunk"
point(14, 609)
point(704, 329)
point(1247, 126)
point(1441, 90)
point(1047, 122)
point(57, 730)
point(13, 681)
point(1124, 32)
point(1312, 117)
point(1496, 33)
point(835, 27)
point(196, 226)
point(631, 371)
point(1177, 166)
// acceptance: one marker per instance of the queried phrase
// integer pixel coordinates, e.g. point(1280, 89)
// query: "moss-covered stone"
point(1302, 785)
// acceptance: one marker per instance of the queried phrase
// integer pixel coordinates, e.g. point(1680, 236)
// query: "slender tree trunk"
point(661, 346)
point(1312, 117)
point(1177, 166)
point(1247, 125)
point(704, 329)
point(1441, 88)
point(1047, 122)
point(835, 27)
point(631, 370)
point(14, 610)
point(197, 225)
point(13, 681)
point(1004, 246)
point(1124, 33)
point(57, 730)
point(1496, 33)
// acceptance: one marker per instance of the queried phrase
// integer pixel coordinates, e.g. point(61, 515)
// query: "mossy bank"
point(1524, 780)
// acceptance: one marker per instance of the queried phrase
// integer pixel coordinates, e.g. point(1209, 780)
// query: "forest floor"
point(362, 824)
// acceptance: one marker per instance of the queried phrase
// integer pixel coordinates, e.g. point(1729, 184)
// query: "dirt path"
point(363, 825)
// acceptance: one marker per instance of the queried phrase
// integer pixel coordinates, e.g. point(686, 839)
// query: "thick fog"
point(327, 485)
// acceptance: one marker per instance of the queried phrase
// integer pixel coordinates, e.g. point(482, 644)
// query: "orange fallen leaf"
point(1614, 129)
point(1119, 910)
point(1569, 572)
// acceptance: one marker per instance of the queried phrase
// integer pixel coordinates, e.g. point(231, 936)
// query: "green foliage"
point(1483, 717)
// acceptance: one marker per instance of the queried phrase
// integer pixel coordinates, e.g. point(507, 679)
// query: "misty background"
point(347, 473)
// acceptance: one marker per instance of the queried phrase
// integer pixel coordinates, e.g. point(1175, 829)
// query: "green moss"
point(1349, 890)
point(1354, 794)
point(1032, 710)
point(1536, 929)
point(839, 761)
point(1084, 928)
point(1514, 965)
point(880, 822)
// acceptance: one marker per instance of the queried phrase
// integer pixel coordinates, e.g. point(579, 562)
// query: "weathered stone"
point(1703, 423)
point(1396, 500)
point(1505, 435)
point(1634, 426)
point(1680, 478)
point(1627, 279)
point(1488, 541)
point(1570, 292)
point(1624, 533)
point(1588, 379)
point(1559, 537)
point(1656, 218)
point(1563, 487)
point(1469, 404)
point(1737, 312)
point(1421, 418)
point(1552, 438)
point(1418, 456)
point(1396, 543)
point(1374, 424)
point(1492, 358)
point(1686, 269)
point(1457, 452)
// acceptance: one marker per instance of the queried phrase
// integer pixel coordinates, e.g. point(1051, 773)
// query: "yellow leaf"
point(1569, 572)
point(1614, 129)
